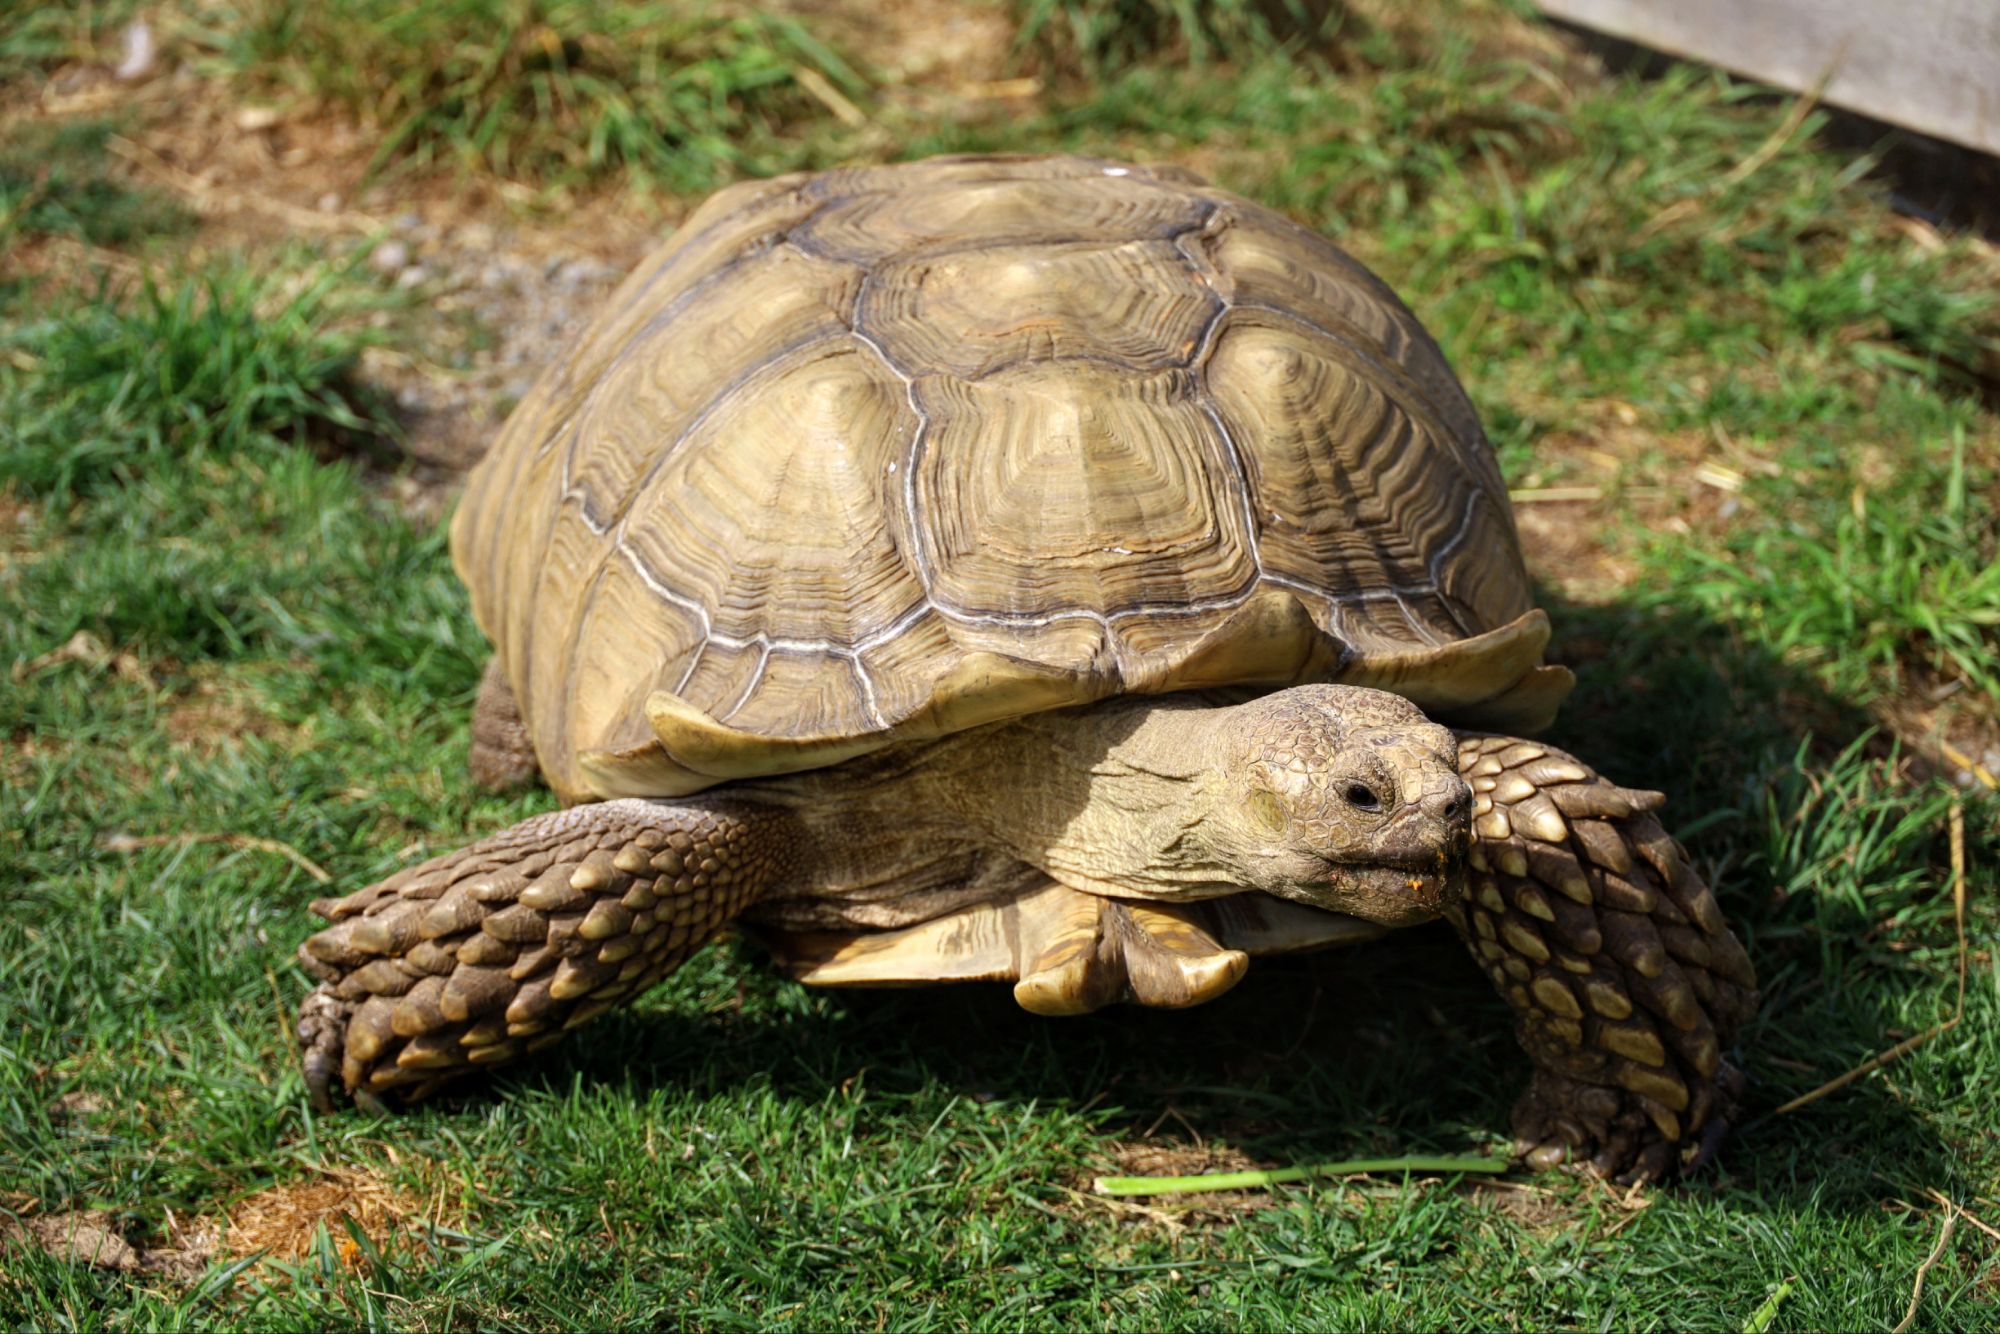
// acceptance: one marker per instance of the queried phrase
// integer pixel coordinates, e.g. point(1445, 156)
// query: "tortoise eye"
point(1362, 797)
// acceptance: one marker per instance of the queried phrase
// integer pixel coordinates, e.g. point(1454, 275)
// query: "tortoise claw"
point(1607, 1132)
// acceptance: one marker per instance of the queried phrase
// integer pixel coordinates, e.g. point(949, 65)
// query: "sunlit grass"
point(212, 623)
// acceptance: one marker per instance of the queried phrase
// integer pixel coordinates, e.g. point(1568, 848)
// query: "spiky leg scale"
point(498, 949)
point(1625, 981)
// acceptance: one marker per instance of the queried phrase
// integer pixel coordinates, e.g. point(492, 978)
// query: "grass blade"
point(1278, 1176)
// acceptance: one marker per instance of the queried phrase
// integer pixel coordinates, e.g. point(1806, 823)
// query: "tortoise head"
point(1341, 797)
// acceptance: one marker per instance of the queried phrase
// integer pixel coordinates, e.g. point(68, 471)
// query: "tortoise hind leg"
point(503, 756)
point(1624, 979)
point(497, 949)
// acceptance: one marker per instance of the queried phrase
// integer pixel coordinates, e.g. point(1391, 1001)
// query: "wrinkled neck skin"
point(1109, 799)
point(1168, 798)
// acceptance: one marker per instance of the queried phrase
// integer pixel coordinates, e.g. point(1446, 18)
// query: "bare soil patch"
point(97, 1238)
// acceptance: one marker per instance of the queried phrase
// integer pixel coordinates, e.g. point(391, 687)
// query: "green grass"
point(54, 182)
point(1092, 39)
point(271, 649)
point(36, 37)
point(679, 94)
point(222, 368)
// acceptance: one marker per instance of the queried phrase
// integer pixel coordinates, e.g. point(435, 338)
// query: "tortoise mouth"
point(1390, 891)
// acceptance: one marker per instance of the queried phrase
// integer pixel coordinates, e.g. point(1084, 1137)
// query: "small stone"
point(389, 257)
point(139, 53)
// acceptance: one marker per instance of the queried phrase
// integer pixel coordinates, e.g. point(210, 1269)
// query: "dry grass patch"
point(218, 713)
point(282, 1221)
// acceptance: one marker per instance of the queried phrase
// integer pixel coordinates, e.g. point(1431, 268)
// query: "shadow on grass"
point(1401, 1045)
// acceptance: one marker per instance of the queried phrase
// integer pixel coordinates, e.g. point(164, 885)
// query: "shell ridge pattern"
point(1357, 349)
point(766, 644)
point(1397, 386)
point(1218, 219)
point(759, 248)
point(618, 531)
point(913, 455)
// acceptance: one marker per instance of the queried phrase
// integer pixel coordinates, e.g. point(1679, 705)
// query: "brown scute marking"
point(1602, 844)
point(970, 312)
point(454, 912)
point(872, 227)
point(1268, 261)
point(1349, 491)
point(1524, 940)
point(1059, 485)
point(428, 956)
point(1553, 996)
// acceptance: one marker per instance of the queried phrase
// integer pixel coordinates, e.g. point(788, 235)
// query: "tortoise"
point(1040, 569)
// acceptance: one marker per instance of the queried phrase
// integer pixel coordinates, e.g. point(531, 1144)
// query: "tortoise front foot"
point(1625, 981)
point(498, 949)
point(1610, 1132)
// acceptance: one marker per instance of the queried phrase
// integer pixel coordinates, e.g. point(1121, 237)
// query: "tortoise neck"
point(1103, 798)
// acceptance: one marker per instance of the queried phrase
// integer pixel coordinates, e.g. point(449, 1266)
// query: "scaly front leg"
point(499, 948)
point(1625, 981)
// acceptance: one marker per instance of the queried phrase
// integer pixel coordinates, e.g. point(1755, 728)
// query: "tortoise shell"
point(888, 452)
